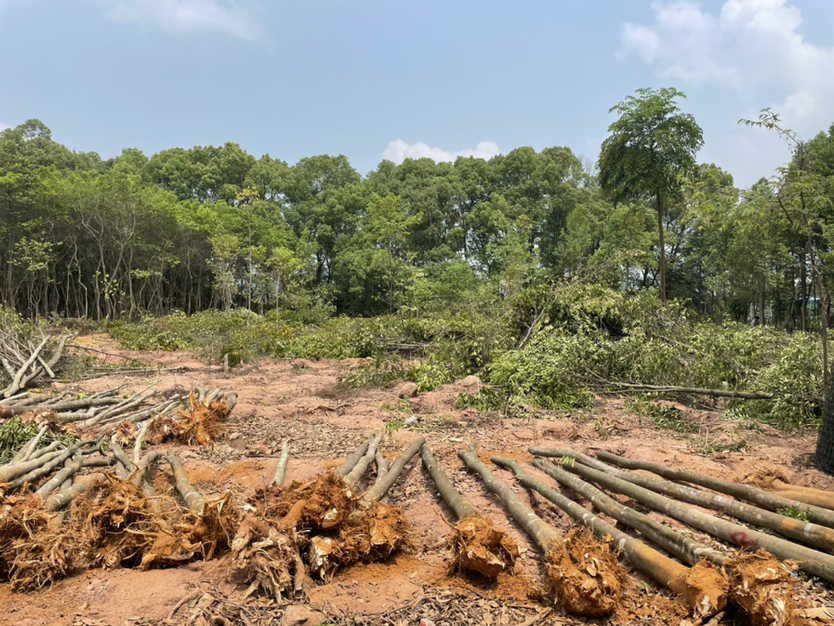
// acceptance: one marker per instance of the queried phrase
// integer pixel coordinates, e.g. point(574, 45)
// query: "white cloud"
point(232, 17)
point(3, 127)
point(753, 48)
point(398, 151)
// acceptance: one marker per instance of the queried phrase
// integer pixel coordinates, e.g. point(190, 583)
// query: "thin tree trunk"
point(381, 488)
point(818, 536)
point(362, 464)
point(281, 468)
point(353, 459)
point(812, 561)
point(764, 499)
point(542, 533)
point(459, 504)
point(686, 549)
point(662, 246)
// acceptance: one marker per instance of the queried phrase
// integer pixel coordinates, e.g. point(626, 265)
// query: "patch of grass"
point(795, 512)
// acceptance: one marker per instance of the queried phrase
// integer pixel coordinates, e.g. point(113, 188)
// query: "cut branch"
point(381, 488)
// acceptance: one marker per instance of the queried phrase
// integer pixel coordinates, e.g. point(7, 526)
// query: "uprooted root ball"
point(121, 527)
point(32, 556)
point(707, 589)
point(328, 526)
point(265, 559)
point(584, 575)
point(200, 425)
point(481, 547)
point(763, 586)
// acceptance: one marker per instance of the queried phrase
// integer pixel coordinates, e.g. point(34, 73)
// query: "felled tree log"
point(763, 498)
point(718, 393)
point(686, 549)
point(815, 535)
point(479, 545)
point(353, 459)
point(811, 561)
point(193, 498)
point(354, 475)
point(585, 584)
point(11, 411)
point(706, 590)
point(379, 489)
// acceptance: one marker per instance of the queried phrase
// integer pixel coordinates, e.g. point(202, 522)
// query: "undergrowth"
point(586, 339)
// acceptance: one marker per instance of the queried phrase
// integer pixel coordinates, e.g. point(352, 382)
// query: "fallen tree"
point(587, 581)
point(812, 561)
point(704, 587)
point(820, 537)
point(478, 545)
point(763, 498)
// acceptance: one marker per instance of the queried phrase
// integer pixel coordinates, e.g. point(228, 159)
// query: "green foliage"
point(591, 335)
point(795, 512)
point(14, 434)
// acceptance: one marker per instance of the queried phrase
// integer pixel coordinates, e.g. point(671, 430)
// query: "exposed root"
point(200, 425)
point(265, 559)
point(763, 478)
point(707, 589)
point(481, 547)
point(763, 586)
point(584, 575)
point(32, 556)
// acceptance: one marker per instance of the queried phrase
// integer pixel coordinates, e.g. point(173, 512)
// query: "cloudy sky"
point(392, 79)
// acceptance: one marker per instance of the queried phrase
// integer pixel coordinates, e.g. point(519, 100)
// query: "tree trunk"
point(764, 499)
point(812, 561)
point(820, 537)
point(686, 549)
point(376, 492)
point(542, 533)
point(662, 248)
point(460, 505)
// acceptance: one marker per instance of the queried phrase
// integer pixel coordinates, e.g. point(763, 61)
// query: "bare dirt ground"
point(325, 422)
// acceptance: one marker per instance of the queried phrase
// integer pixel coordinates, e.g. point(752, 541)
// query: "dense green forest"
point(216, 227)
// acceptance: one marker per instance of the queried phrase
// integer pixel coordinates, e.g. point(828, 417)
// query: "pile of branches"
point(25, 361)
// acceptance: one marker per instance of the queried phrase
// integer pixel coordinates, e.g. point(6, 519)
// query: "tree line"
point(216, 227)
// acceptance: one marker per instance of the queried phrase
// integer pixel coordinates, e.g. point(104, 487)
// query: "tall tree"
point(651, 146)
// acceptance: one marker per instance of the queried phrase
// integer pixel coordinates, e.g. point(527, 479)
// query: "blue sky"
point(374, 79)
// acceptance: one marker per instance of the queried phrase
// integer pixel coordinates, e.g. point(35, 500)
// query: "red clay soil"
point(325, 423)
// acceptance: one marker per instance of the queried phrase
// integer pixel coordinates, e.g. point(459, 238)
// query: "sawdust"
point(200, 425)
point(481, 547)
point(584, 574)
point(764, 587)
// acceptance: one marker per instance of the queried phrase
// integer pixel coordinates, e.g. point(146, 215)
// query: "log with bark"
point(704, 587)
point(281, 468)
point(812, 561)
point(686, 549)
point(820, 537)
point(764, 499)
point(584, 577)
point(478, 545)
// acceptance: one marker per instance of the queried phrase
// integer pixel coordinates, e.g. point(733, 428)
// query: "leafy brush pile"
point(592, 338)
